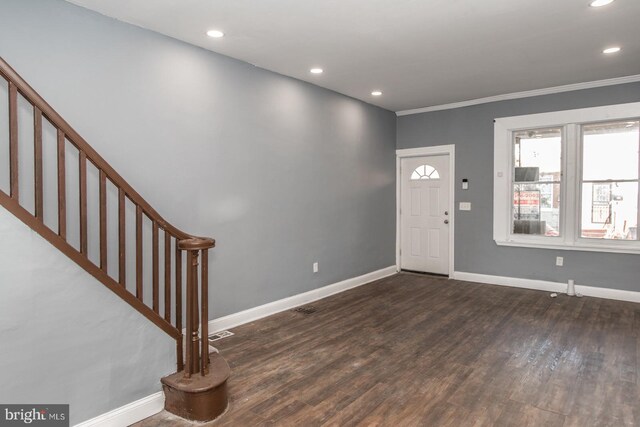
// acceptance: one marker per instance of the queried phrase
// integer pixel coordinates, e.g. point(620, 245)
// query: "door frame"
point(437, 150)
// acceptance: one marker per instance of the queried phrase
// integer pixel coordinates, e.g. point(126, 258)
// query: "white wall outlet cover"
point(559, 261)
point(465, 206)
point(315, 267)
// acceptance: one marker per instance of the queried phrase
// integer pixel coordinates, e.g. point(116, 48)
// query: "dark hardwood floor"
point(413, 350)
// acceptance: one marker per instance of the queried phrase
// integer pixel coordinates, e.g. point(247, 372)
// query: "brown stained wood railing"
point(139, 265)
point(167, 277)
point(204, 307)
point(180, 343)
point(170, 320)
point(13, 141)
point(62, 187)
point(191, 331)
point(103, 221)
point(122, 239)
point(82, 167)
point(37, 163)
point(154, 268)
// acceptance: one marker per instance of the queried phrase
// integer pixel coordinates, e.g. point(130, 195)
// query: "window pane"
point(536, 209)
point(610, 210)
point(610, 151)
point(538, 155)
point(536, 176)
point(425, 172)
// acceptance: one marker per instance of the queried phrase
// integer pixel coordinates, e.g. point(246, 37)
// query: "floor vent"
point(219, 335)
point(307, 309)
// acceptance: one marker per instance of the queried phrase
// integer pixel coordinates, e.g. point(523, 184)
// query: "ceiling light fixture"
point(600, 3)
point(316, 70)
point(216, 34)
point(376, 93)
point(609, 50)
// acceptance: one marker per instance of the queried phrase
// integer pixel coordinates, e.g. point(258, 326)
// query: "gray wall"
point(96, 355)
point(282, 173)
point(471, 130)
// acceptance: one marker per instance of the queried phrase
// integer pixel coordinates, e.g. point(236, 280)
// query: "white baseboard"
point(129, 413)
point(542, 285)
point(150, 405)
point(246, 316)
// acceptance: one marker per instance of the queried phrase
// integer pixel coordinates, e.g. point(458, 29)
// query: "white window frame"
point(570, 203)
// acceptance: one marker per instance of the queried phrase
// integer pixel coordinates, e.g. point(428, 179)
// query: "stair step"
point(200, 397)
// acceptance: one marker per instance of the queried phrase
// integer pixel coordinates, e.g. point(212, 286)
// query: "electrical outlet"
point(315, 267)
point(559, 261)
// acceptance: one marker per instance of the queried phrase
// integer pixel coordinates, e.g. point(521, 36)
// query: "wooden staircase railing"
point(30, 207)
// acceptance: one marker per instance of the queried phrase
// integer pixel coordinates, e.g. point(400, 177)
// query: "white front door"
point(424, 214)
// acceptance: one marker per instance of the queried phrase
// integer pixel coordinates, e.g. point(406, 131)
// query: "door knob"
point(446, 221)
point(446, 212)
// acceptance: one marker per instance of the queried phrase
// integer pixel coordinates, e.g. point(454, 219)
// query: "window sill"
point(630, 248)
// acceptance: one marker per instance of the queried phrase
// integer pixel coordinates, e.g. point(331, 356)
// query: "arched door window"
point(425, 172)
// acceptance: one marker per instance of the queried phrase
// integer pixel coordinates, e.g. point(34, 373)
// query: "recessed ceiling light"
point(216, 34)
point(600, 3)
point(614, 49)
point(376, 93)
point(316, 70)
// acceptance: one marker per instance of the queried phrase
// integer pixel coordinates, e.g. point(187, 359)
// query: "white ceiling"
point(420, 53)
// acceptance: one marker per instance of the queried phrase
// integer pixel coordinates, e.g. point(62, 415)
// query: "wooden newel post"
point(197, 316)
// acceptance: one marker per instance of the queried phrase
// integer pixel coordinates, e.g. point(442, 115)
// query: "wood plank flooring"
point(413, 350)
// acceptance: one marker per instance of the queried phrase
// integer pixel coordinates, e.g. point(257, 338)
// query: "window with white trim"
point(569, 179)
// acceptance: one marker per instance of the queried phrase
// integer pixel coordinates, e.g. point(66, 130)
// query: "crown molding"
point(525, 94)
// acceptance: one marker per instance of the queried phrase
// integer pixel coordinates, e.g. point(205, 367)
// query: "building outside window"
point(610, 180)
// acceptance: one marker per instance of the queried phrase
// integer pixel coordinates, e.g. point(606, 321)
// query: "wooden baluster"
point(155, 268)
point(37, 163)
point(82, 168)
point(190, 309)
point(103, 221)
point(122, 251)
point(204, 316)
point(179, 305)
point(62, 189)
point(167, 276)
point(194, 312)
point(139, 252)
point(14, 188)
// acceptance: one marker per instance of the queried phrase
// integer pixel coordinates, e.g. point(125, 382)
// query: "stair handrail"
point(74, 137)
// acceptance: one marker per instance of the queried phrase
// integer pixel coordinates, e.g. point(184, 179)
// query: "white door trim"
point(449, 150)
